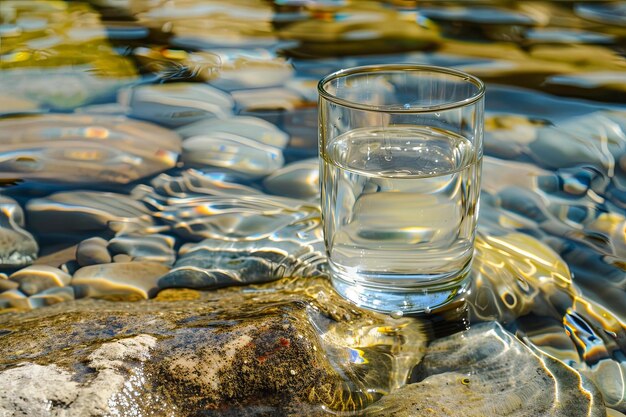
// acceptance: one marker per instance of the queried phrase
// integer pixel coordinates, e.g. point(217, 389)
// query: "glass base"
point(424, 298)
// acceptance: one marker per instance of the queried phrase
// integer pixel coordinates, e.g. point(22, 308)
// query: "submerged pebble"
point(77, 148)
point(176, 104)
point(487, 371)
point(246, 126)
point(92, 251)
point(216, 263)
point(151, 248)
point(239, 218)
point(73, 213)
point(127, 281)
point(14, 299)
point(6, 285)
point(232, 152)
point(247, 240)
point(194, 183)
point(509, 282)
point(297, 180)
point(17, 246)
point(52, 296)
point(37, 278)
point(261, 99)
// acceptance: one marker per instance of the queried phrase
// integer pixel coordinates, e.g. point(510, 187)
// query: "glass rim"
point(365, 69)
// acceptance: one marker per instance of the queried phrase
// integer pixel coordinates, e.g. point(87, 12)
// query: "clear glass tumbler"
point(400, 159)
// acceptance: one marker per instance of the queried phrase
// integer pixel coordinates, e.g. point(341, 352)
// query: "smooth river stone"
point(122, 281)
point(566, 36)
point(486, 371)
point(92, 251)
point(37, 278)
point(297, 180)
point(17, 246)
point(240, 69)
point(215, 263)
point(249, 127)
point(50, 390)
point(6, 285)
point(52, 296)
point(609, 13)
point(239, 218)
point(75, 212)
point(14, 299)
point(18, 105)
point(65, 87)
point(556, 148)
point(84, 148)
point(259, 99)
point(603, 128)
point(214, 354)
point(194, 183)
point(516, 274)
point(235, 153)
point(151, 248)
point(176, 104)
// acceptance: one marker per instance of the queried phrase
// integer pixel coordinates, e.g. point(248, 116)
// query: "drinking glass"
point(400, 159)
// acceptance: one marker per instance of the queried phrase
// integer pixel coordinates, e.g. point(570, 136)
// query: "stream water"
point(175, 142)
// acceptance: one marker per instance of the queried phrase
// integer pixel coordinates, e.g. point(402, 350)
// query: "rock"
point(119, 281)
point(122, 258)
point(610, 13)
point(360, 29)
point(176, 104)
point(18, 105)
point(17, 246)
point(70, 267)
point(14, 299)
point(79, 212)
point(240, 69)
point(198, 26)
point(37, 278)
point(193, 183)
point(260, 99)
point(80, 65)
point(75, 148)
point(63, 88)
point(249, 127)
point(231, 218)
point(216, 263)
point(51, 296)
point(487, 371)
point(297, 180)
point(92, 251)
point(31, 389)
point(579, 150)
point(234, 153)
point(6, 285)
point(482, 15)
point(151, 248)
point(515, 288)
point(225, 353)
point(56, 255)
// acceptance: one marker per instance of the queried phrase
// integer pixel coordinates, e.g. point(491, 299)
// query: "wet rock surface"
point(190, 353)
point(201, 353)
point(466, 375)
point(158, 152)
point(17, 246)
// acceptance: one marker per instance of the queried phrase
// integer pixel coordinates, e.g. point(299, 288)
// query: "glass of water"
point(401, 152)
